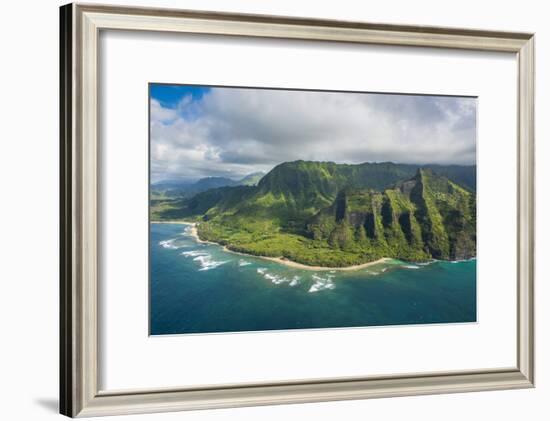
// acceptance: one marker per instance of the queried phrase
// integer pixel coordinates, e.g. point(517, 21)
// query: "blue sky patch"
point(170, 95)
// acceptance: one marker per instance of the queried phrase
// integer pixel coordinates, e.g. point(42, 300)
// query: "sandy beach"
point(193, 232)
point(297, 265)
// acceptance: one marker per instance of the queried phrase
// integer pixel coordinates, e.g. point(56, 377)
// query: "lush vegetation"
point(322, 213)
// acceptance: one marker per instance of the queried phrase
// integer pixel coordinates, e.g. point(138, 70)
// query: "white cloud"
point(233, 132)
point(161, 114)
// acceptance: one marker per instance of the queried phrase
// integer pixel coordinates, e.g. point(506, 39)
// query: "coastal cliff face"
point(327, 214)
point(425, 217)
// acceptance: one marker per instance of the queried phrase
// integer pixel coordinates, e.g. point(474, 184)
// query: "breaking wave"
point(294, 281)
point(195, 253)
point(463, 260)
point(170, 244)
point(278, 279)
point(321, 283)
point(204, 259)
point(274, 278)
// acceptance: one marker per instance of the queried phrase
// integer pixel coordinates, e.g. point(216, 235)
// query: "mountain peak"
point(425, 216)
point(323, 213)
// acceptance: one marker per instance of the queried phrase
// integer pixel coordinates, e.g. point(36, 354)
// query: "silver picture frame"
point(80, 25)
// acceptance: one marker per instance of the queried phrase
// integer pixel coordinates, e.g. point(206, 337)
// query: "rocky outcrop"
point(427, 216)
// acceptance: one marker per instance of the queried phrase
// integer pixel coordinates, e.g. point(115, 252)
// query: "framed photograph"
point(232, 194)
point(263, 210)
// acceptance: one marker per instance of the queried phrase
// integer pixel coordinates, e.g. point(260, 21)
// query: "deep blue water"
point(200, 288)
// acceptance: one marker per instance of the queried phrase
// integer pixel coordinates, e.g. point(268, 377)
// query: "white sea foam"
point(208, 263)
point(169, 244)
point(275, 279)
point(204, 259)
point(410, 267)
point(321, 283)
point(211, 265)
point(244, 263)
point(463, 260)
point(372, 272)
point(194, 253)
point(294, 281)
point(278, 279)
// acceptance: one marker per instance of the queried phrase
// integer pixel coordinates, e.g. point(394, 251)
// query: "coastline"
point(297, 265)
point(193, 231)
point(171, 222)
point(284, 261)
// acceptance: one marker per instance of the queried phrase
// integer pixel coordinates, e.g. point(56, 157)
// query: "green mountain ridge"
point(322, 213)
point(425, 217)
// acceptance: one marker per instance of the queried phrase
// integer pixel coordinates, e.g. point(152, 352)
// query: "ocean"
point(200, 288)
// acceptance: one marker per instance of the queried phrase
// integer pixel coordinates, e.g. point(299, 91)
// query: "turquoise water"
point(200, 288)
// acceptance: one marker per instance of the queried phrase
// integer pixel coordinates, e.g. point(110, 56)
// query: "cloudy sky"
point(231, 132)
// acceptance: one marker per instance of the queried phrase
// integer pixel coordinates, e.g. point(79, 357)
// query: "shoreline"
point(296, 265)
point(290, 263)
point(172, 222)
point(282, 260)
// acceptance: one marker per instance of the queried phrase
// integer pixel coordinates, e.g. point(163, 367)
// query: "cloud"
point(232, 132)
point(160, 114)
